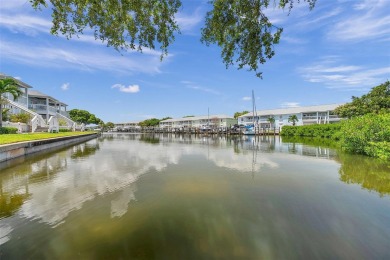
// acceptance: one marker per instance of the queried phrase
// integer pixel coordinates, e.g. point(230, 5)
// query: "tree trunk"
point(1, 115)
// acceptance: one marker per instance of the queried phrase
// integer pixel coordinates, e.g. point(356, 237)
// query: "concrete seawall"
point(12, 151)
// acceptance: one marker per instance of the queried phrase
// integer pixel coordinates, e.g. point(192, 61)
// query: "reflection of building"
point(322, 114)
point(199, 122)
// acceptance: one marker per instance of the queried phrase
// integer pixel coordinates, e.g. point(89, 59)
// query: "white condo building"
point(212, 121)
point(322, 114)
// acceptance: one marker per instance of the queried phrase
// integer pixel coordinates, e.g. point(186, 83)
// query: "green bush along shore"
point(368, 134)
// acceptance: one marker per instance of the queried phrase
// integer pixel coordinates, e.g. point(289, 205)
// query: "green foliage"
point(165, 118)
point(8, 85)
point(376, 101)
point(22, 118)
point(318, 130)
point(271, 120)
point(63, 130)
point(243, 31)
point(187, 116)
point(5, 114)
point(83, 116)
point(62, 122)
point(293, 119)
point(121, 24)
point(8, 130)
point(240, 27)
point(237, 114)
point(368, 134)
point(109, 125)
point(150, 122)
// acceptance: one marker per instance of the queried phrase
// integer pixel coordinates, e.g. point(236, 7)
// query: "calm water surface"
point(190, 197)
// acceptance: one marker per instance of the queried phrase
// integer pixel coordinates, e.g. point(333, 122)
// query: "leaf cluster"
point(240, 28)
point(83, 116)
point(150, 122)
point(316, 130)
point(237, 114)
point(124, 24)
point(368, 134)
point(243, 31)
point(376, 101)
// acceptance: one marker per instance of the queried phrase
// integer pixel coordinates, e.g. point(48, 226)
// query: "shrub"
point(62, 130)
point(22, 118)
point(319, 130)
point(8, 130)
point(368, 134)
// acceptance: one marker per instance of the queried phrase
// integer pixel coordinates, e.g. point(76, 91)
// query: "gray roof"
point(193, 118)
point(294, 110)
point(36, 93)
point(20, 83)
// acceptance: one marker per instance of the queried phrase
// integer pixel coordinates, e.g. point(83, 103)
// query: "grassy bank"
point(15, 138)
point(368, 134)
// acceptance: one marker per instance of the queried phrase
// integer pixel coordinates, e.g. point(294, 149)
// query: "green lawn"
point(15, 138)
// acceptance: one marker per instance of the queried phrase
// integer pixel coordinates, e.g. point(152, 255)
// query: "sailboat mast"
point(253, 107)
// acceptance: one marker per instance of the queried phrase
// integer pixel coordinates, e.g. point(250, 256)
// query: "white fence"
point(22, 127)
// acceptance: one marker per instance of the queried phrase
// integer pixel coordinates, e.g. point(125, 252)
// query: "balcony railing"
point(309, 117)
point(42, 109)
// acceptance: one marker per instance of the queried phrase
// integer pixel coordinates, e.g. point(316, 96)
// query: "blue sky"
point(339, 49)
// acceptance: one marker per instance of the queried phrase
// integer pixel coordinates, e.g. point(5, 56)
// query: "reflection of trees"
point(84, 150)
point(370, 173)
point(323, 142)
point(9, 204)
point(150, 139)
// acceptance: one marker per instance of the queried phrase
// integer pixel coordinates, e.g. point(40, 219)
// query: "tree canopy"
point(8, 85)
point(237, 114)
point(150, 122)
point(293, 119)
point(83, 116)
point(240, 28)
point(376, 101)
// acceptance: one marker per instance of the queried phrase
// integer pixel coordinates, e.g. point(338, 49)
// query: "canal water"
point(128, 196)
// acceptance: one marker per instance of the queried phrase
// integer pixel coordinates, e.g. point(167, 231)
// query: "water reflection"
point(371, 174)
point(204, 181)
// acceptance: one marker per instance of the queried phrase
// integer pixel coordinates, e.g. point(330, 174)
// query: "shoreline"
point(15, 150)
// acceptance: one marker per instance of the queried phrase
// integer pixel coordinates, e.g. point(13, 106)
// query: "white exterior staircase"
point(38, 124)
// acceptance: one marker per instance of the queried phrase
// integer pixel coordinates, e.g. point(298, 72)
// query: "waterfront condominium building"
point(211, 121)
point(322, 114)
point(128, 126)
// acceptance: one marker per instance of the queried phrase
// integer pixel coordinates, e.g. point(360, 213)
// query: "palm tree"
point(293, 119)
point(271, 121)
point(8, 85)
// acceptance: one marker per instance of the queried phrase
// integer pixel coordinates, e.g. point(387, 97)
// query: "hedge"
point(8, 130)
point(318, 130)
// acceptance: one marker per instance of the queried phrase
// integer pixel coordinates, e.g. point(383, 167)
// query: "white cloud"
point(128, 89)
point(27, 24)
point(344, 76)
point(79, 58)
point(193, 85)
point(189, 22)
point(371, 20)
point(289, 104)
point(247, 98)
point(65, 86)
